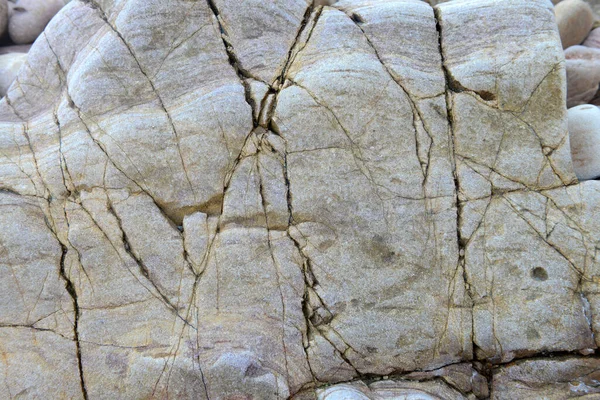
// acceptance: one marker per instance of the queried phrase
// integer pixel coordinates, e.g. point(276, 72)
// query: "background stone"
point(583, 74)
point(575, 19)
point(3, 16)
point(584, 123)
point(28, 18)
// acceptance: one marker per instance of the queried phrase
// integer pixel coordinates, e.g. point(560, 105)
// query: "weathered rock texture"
point(235, 200)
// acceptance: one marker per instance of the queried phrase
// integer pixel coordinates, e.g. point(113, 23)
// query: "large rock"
point(216, 200)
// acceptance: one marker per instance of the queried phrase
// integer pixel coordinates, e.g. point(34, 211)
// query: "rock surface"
point(575, 19)
point(560, 378)
point(184, 217)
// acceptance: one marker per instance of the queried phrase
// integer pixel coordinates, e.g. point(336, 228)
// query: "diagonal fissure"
point(234, 61)
point(142, 266)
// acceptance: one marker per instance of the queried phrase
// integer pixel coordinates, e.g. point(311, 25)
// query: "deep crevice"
point(357, 18)
point(450, 119)
point(4, 190)
point(268, 105)
point(235, 63)
point(264, 204)
point(266, 114)
point(73, 293)
point(309, 279)
point(290, 56)
point(451, 85)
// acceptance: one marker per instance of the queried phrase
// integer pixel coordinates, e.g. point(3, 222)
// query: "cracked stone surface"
point(238, 200)
point(561, 378)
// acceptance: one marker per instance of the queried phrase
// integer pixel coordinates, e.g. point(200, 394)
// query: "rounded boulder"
point(575, 19)
point(583, 74)
point(28, 18)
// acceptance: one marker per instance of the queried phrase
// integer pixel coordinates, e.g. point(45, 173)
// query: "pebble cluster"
point(21, 22)
point(579, 29)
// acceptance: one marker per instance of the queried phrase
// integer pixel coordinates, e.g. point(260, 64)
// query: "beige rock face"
point(508, 179)
point(561, 378)
point(217, 200)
